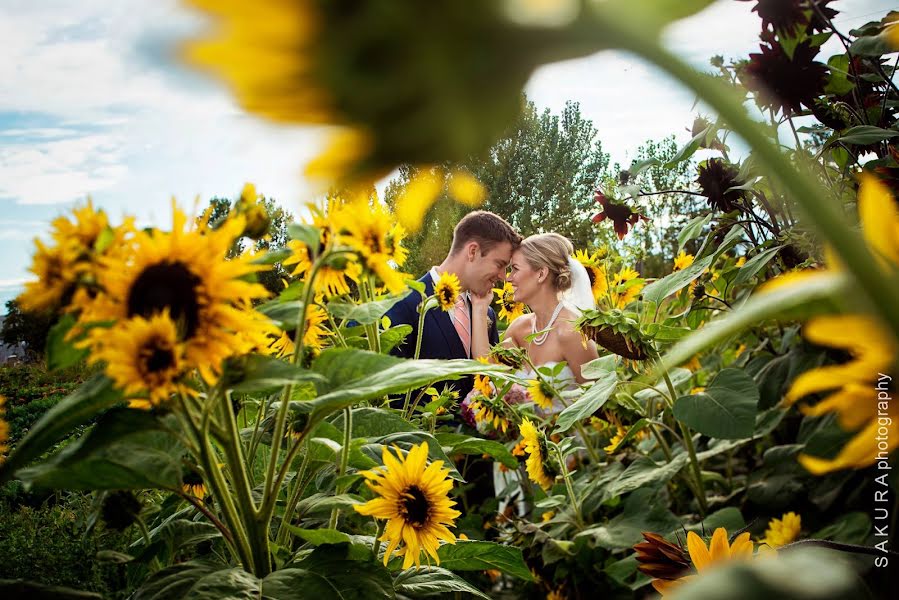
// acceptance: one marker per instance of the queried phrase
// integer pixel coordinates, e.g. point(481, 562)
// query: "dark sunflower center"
point(373, 242)
point(159, 359)
point(415, 507)
point(591, 275)
point(446, 296)
point(192, 478)
point(167, 285)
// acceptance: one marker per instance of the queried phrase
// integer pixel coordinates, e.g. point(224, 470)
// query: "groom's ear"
point(472, 250)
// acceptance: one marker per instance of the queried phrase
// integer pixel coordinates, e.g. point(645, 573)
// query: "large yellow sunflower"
point(682, 261)
point(705, 557)
point(368, 228)
point(314, 334)
point(782, 531)
point(447, 290)
point(599, 282)
point(186, 275)
point(509, 309)
point(333, 276)
point(855, 385)
point(535, 446)
point(144, 359)
point(541, 393)
point(56, 278)
point(413, 495)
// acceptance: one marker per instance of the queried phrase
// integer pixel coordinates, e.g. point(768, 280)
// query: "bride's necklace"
point(539, 339)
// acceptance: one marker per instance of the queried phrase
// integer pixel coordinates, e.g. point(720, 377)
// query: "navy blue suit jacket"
point(440, 339)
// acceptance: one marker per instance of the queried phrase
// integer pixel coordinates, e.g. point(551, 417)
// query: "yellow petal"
point(719, 547)
point(699, 554)
point(879, 217)
point(861, 451)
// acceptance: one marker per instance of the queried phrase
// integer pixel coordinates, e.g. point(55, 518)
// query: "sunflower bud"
point(255, 213)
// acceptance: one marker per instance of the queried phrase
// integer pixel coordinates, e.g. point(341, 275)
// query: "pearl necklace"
point(539, 339)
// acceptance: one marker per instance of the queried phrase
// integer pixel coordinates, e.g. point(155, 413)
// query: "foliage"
point(29, 328)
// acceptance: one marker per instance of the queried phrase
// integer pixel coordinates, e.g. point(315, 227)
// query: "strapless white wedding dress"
point(563, 381)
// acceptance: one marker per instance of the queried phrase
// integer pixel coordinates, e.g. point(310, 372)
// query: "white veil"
point(579, 297)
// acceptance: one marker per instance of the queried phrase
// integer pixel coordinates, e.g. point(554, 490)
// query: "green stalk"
point(292, 500)
point(422, 311)
point(699, 491)
point(566, 477)
point(344, 457)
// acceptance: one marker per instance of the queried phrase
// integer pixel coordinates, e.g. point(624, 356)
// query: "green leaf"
point(756, 264)
point(664, 287)
point(643, 511)
point(463, 444)
point(643, 471)
point(319, 537)
point(692, 230)
point(79, 407)
point(126, 449)
point(18, 588)
point(725, 409)
point(402, 376)
point(729, 517)
point(863, 135)
point(199, 580)
point(258, 374)
point(375, 422)
point(851, 528)
point(308, 234)
point(342, 366)
point(60, 352)
point(407, 439)
point(688, 149)
point(591, 401)
point(432, 581)
point(330, 572)
point(598, 367)
point(393, 337)
point(475, 555)
point(286, 313)
point(783, 301)
point(367, 313)
point(872, 45)
point(322, 503)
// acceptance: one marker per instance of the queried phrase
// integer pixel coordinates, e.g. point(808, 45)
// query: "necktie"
point(462, 322)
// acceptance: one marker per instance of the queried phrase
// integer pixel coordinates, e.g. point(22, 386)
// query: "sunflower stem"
point(422, 311)
point(293, 499)
point(376, 545)
point(344, 457)
point(566, 477)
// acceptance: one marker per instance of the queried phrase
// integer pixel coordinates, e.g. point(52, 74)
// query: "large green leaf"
point(463, 444)
point(257, 373)
point(728, 517)
point(342, 366)
point(126, 449)
point(407, 439)
point(476, 555)
point(643, 471)
point(432, 581)
point(62, 353)
point(664, 287)
point(328, 573)
point(591, 401)
point(367, 313)
point(692, 229)
point(371, 422)
point(18, 588)
point(407, 374)
point(79, 407)
point(643, 511)
point(200, 580)
point(725, 409)
point(865, 135)
point(756, 264)
point(393, 337)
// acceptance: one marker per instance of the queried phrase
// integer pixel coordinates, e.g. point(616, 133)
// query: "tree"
point(540, 177)
point(27, 327)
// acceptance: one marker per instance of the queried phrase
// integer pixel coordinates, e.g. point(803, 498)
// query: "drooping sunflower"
point(853, 386)
point(626, 286)
point(616, 439)
point(782, 531)
point(4, 430)
point(144, 358)
point(661, 559)
point(185, 274)
point(314, 334)
point(413, 496)
point(541, 393)
point(509, 309)
point(255, 214)
point(622, 216)
point(783, 82)
point(192, 484)
point(447, 290)
point(716, 178)
point(703, 557)
point(535, 446)
point(488, 414)
point(682, 261)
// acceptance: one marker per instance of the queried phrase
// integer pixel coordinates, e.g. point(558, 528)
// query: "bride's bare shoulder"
point(519, 328)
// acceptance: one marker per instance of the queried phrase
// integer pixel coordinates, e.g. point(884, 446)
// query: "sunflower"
point(256, 218)
point(482, 382)
point(782, 531)
point(314, 335)
point(785, 82)
point(427, 185)
point(705, 557)
point(682, 261)
point(414, 497)
point(332, 276)
point(621, 215)
point(185, 274)
point(4, 430)
point(599, 282)
point(536, 449)
point(509, 309)
point(447, 290)
point(616, 439)
point(144, 359)
point(192, 484)
point(626, 286)
point(56, 279)
point(716, 178)
point(541, 393)
point(367, 228)
point(488, 415)
point(661, 559)
point(855, 386)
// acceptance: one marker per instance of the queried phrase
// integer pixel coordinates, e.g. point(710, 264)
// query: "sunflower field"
point(736, 438)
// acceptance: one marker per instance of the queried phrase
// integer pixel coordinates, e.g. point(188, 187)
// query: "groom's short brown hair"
point(485, 228)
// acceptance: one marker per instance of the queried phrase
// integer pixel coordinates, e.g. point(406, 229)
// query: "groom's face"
point(486, 268)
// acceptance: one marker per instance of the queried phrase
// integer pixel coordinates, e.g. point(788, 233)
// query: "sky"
point(91, 104)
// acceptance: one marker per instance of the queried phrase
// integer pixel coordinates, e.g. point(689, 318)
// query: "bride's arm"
point(575, 352)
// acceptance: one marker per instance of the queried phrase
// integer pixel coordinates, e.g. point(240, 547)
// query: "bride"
point(556, 288)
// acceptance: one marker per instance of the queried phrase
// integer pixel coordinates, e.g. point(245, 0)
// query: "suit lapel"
point(444, 324)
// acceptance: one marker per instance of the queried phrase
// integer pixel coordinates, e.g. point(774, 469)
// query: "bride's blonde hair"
point(550, 251)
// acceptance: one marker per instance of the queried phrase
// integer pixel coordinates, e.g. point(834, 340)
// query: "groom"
point(482, 248)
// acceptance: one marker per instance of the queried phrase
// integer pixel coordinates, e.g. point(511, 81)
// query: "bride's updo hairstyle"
point(550, 251)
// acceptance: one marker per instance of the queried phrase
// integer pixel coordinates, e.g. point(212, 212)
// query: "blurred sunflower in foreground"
point(406, 81)
point(853, 387)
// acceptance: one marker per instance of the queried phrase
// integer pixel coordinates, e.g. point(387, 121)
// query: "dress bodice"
point(563, 381)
